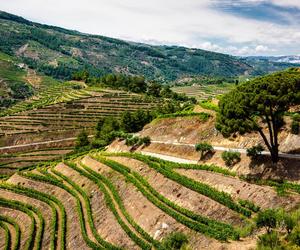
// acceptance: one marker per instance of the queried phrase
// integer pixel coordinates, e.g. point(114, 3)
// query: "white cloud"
point(189, 23)
point(261, 48)
point(287, 3)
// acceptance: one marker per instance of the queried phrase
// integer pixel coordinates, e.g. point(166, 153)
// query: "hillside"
point(129, 202)
point(14, 86)
point(59, 52)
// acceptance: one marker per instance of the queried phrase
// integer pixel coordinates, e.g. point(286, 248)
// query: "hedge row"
point(36, 232)
point(211, 168)
point(48, 199)
point(218, 230)
point(104, 243)
point(47, 178)
point(7, 245)
point(204, 189)
point(16, 228)
point(103, 185)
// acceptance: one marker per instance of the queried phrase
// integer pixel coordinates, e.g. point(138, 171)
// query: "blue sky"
point(238, 27)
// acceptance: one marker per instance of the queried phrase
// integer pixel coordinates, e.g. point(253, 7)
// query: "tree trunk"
point(275, 154)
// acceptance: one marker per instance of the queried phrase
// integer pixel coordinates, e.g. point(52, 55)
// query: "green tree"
point(267, 219)
point(255, 151)
point(231, 157)
point(127, 122)
point(259, 105)
point(82, 139)
point(204, 148)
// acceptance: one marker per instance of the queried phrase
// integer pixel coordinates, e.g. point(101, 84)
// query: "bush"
point(204, 148)
point(267, 219)
point(132, 141)
point(269, 241)
point(137, 141)
point(146, 140)
point(231, 158)
point(295, 127)
point(295, 236)
point(82, 140)
point(175, 241)
point(255, 151)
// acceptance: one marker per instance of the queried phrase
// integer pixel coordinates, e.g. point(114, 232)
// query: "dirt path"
point(33, 79)
point(241, 150)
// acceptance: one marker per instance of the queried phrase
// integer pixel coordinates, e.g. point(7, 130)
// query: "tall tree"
point(259, 105)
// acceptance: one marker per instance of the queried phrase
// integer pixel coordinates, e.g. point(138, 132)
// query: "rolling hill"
point(59, 52)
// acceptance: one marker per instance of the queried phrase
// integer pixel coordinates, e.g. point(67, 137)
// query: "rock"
point(164, 225)
point(156, 234)
point(290, 144)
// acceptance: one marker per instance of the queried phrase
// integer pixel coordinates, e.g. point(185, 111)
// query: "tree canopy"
point(259, 105)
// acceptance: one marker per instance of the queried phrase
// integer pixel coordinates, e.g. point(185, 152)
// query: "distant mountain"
point(286, 59)
point(59, 52)
point(265, 64)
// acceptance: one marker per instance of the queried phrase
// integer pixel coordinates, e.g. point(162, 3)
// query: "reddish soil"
point(265, 197)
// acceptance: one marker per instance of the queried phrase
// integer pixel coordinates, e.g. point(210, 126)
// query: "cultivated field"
point(130, 201)
point(202, 92)
point(75, 111)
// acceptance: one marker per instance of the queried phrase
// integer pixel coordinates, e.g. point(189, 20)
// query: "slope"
point(59, 52)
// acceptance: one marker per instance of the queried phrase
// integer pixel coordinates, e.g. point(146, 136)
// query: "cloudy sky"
point(239, 27)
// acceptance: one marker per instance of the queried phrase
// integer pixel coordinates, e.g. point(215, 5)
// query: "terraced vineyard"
point(10, 163)
point(128, 201)
point(51, 92)
point(202, 92)
point(76, 110)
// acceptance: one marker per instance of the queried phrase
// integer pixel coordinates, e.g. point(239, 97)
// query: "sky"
point(237, 27)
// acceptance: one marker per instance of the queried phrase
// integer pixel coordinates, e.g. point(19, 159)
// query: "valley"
point(112, 144)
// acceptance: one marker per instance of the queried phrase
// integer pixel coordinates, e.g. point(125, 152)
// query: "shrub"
point(82, 139)
point(146, 140)
point(137, 141)
point(269, 241)
point(132, 141)
point(204, 148)
point(255, 151)
point(175, 241)
point(267, 219)
point(289, 223)
point(295, 127)
point(295, 236)
point(231, 158)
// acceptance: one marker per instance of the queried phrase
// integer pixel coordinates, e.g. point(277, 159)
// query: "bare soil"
point(149, 217)
point(265, 197)
point(104, 220)
point(43, 207)
point(74, 238)
point(181, 195)
point(23, 221)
